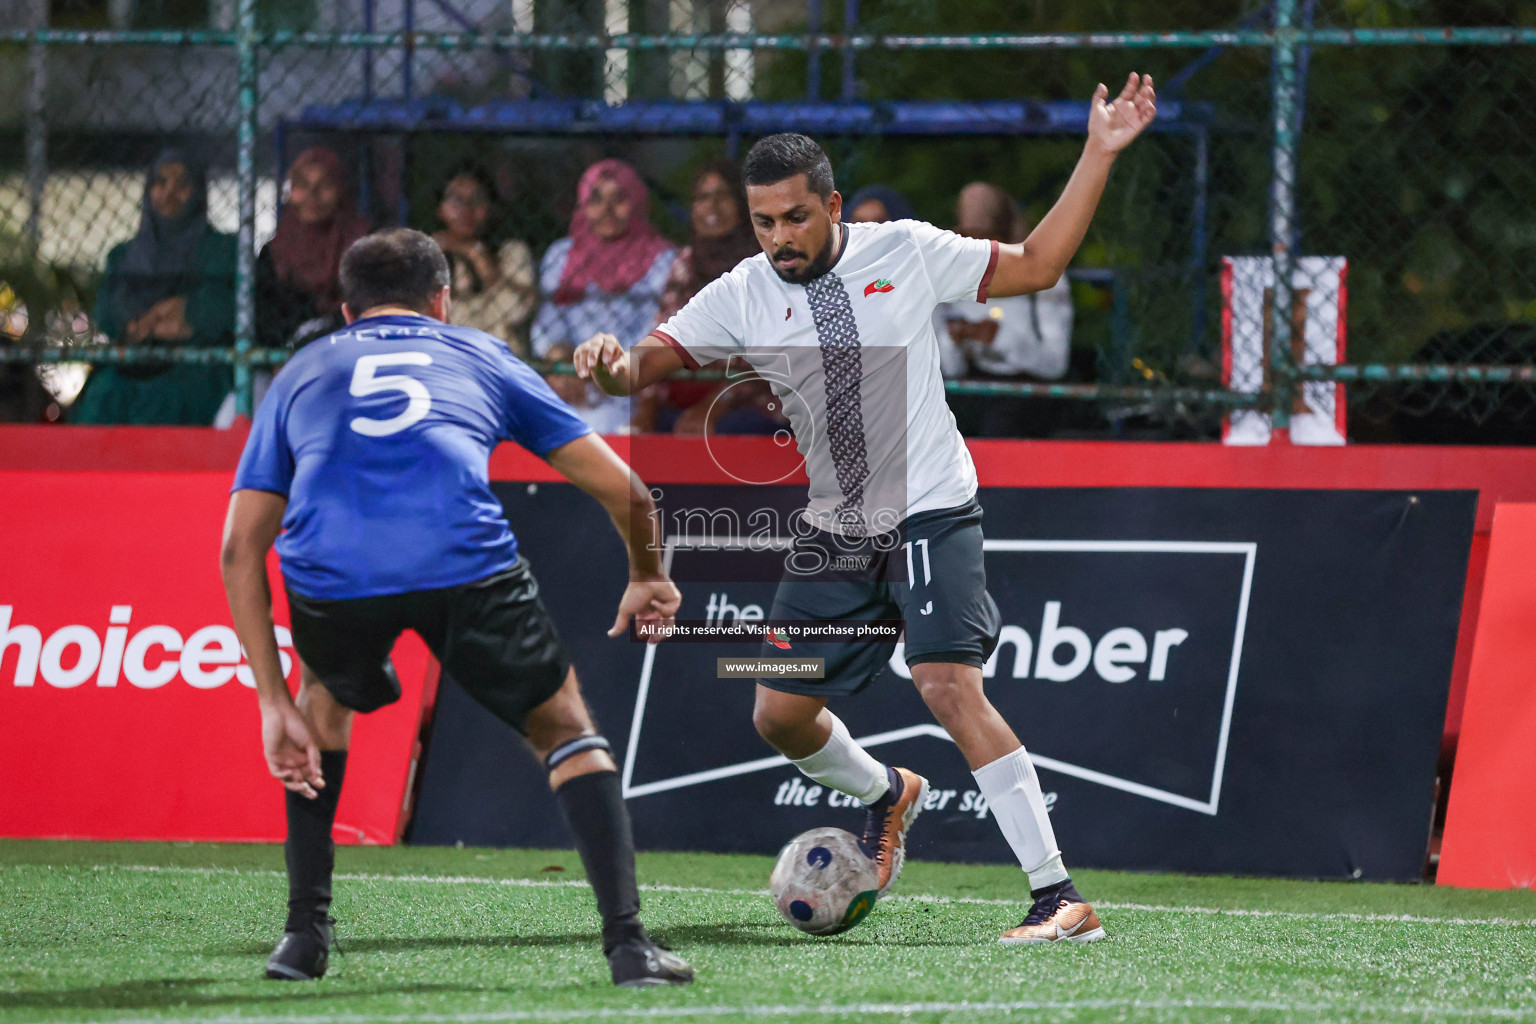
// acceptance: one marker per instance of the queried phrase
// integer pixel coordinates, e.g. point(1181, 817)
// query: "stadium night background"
point(1141, 477)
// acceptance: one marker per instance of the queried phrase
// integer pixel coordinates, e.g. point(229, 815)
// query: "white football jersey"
point(854, 359)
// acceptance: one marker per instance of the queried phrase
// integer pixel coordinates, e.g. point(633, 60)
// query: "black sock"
point(1061, 888)
point(893, 778)
point(594, 808)
point(309, 849)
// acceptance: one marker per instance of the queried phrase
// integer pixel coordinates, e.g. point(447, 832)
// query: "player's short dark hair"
point(777, 157)
point(394, 267)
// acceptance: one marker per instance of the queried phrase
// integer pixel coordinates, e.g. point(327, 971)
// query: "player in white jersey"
point(839, 320)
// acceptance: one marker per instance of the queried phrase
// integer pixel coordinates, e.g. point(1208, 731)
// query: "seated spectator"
point(600, 411)
point(722, 238)
point(607, 276)
point(298, 295)
point(23, 399)
point(493, 285)
point(172, 283)
point(877, 204)
point(1021, 338)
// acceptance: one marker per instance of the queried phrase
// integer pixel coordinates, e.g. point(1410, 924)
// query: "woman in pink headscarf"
point(298, 294)
point(606, 277)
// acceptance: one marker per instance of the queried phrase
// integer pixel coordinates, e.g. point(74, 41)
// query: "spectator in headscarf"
point(607, 276)
point(298, 293)
point(493, 285)
point(878, 203)
point(172, 283)
point(722, 237)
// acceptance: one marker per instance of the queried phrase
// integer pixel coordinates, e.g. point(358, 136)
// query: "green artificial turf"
point(155, 931)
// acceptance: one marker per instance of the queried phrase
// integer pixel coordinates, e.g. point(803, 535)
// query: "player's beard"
point(810, 271)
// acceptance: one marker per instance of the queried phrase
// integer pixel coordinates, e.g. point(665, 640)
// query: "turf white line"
point(344, 876)
point(1148, 908)
point(760, 1011)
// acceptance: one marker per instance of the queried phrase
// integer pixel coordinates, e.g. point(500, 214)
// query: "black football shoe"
point(303, 955)
point(639, 961)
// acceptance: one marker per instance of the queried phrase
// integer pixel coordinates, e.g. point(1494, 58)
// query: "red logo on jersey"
point(776, 637)
point(881, 285)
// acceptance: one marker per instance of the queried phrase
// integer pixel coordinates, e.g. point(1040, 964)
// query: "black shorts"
point(492, 636)
point(928, 573)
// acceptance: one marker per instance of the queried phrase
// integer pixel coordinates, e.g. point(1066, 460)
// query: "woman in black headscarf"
point(722, 237)
point(878, 203)
point(172, 283)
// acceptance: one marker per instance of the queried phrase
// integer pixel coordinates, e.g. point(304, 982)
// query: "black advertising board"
point(1208, 680)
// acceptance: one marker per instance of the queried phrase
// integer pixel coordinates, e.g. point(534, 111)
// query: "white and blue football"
point(823, 883)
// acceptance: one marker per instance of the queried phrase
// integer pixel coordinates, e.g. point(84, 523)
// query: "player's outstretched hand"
point(653, 603)
point(1114, 124)
point(600, 353)
point(292, 756)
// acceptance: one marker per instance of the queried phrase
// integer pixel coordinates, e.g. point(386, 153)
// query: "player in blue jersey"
point(367, 465)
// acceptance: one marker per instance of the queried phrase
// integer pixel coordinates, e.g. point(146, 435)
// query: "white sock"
point(845, 766)
point(1013, 794)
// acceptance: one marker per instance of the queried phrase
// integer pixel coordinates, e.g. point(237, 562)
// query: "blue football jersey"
point(379, 435)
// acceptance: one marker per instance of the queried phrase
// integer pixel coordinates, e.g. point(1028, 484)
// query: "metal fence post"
point(245, 173)
point(813, 52)
point(1200, 232)
point(1282, 217)
point(850, 26)
point(36, 130)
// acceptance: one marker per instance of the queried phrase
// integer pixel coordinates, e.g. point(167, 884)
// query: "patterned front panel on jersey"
point(843, 363)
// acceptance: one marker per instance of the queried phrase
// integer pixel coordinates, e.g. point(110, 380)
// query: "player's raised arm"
point(620, 372)
point(590, 464)
point(1039, 261)
point(254, 520)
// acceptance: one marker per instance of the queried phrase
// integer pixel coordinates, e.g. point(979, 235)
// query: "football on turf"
point(822, 883)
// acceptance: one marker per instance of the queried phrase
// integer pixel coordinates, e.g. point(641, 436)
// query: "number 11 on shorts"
point(927, 571)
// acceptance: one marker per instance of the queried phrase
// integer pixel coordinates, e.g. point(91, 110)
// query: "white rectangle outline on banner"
point(1248, 549)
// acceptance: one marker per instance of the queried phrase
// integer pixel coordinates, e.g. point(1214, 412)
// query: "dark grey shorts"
point(492, 636)
point(930, 574)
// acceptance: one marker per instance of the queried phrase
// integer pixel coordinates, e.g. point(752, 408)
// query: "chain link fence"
point(1365, 165)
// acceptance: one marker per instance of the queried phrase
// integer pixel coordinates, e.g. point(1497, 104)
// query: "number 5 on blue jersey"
point(365, 382)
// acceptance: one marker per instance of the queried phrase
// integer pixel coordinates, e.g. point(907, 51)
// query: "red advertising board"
point(1490, 832)
point(130, 712)
point(93, 518)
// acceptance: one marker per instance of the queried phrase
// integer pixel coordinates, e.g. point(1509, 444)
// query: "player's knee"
point(946, 695)
point(775, 726)
point(330, 721)
point(550, 730)
point(561, 718)
point(767, 724)
point(580, 755)
point(568, 749)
